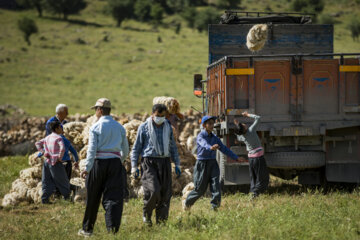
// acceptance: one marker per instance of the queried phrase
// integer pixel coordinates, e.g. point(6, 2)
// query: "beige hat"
point(102, 102)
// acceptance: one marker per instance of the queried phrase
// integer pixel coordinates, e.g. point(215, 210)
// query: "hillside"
point(87, 57)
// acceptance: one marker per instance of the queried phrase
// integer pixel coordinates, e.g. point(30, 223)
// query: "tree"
point(66, 7)
point(189, 15)
point(309, 6)
point(37, 4)
point(142, 9)
point(156, 13)
point(28, 27)
point(206, 17)
point(121, 10)
point(230, 4)
point(354, 27)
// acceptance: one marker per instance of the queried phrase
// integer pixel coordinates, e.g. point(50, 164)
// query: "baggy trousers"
point(156, 181)
point(206, 172)
point(105, 179)
point(68, 168)
point(54, 177)
point(259, 175)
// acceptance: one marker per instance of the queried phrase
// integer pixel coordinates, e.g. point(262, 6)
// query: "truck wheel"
point(295, 159)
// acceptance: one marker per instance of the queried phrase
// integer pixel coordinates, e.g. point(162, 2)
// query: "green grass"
point(289, 212)
point(9, 171)
point(130, 69)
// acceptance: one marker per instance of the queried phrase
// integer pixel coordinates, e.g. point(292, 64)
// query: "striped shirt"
point(53, 148)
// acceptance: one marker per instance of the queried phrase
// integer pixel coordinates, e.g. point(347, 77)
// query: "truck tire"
point(295, 159)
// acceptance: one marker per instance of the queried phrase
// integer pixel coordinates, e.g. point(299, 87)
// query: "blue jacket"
point(68, 147)
point(144, 147)
point(205, 140)
point(48, 127)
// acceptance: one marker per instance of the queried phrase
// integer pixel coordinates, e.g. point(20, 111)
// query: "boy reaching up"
point(259, 174)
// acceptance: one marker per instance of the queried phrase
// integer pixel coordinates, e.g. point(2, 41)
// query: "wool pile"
point(171, 104)
point(257, 37)
point(27, 188)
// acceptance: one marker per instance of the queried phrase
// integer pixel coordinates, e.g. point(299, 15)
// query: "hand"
point(76, 165)
point(177, 171)
point(236, 122)
point(40, 154)
point(240, 159)
point(214, 147)
point(135, 172)
point(83, 174)
point(245, 114)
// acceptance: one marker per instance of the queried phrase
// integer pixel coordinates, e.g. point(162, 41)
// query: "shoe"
point(253, 197)
point(215, 208)
point(185, 207)
point(84, 233)
point(147, 221)
point(45, 202)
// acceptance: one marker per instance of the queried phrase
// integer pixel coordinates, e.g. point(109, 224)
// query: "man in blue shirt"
point(155, 144)
point(61, 113)
point(104, 171)
point(66, 158)
point(206, 170)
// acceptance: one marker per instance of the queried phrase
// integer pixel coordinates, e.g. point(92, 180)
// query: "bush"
point(121, 10)
point(326, 19)
point(229, 4)
point(156, 13)
point(38, 4)
point(206, 17)
point(189, 15)
point(142, 10)
point(66, 7)
point(354, 27)
point(28, 27)
point(309, 6)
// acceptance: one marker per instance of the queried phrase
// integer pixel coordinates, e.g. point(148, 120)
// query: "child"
point(206, 169)
point(53, 172)
point(259, 174)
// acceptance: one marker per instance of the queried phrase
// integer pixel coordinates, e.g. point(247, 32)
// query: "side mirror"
point(197, 85)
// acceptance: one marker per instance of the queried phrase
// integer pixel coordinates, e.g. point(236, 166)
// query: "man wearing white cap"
point(107, 150)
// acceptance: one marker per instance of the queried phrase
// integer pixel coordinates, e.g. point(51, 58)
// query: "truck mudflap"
point(295, 160)
point(343, 172)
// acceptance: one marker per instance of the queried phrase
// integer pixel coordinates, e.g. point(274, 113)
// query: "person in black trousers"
point(104, 173)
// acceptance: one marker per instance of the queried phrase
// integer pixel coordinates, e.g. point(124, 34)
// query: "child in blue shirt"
point(206, 170)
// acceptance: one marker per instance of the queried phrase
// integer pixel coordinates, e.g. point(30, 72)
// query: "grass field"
point(288, 212)
point(70, 62)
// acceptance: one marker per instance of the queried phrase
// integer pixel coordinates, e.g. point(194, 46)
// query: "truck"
point(308, 98)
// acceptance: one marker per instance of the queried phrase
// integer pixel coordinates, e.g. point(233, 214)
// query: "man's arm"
point(138, 145)
point(74, 153)
point(91, 152)
point(173, 149)
point(124, 147)
point(255, 123)
point(225, 150)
